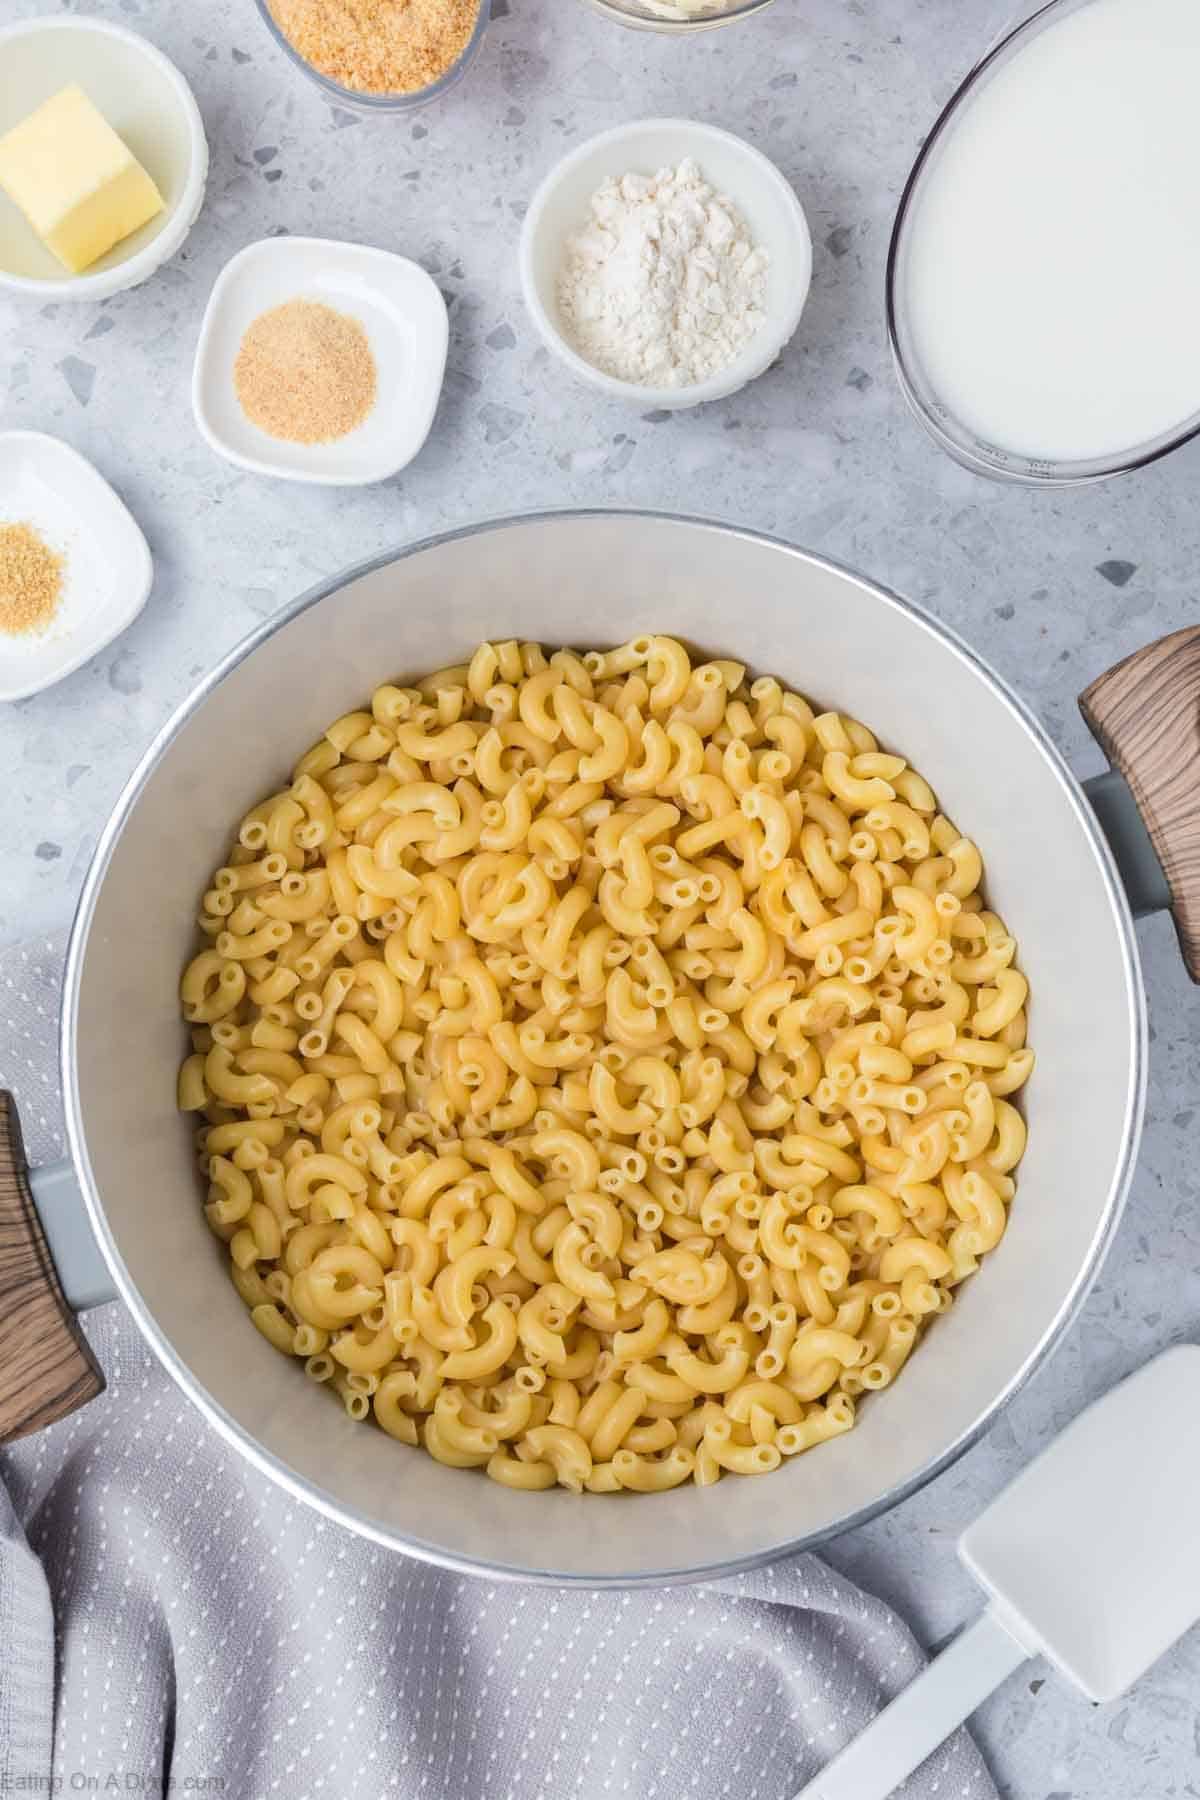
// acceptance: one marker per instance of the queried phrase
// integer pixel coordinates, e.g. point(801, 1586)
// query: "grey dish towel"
point(172, 1622)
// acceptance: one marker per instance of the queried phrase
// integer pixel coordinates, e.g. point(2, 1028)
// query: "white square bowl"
point(398, 306)
point(107, 567)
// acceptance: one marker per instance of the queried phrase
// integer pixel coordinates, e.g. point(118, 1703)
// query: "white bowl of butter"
point(88, 186)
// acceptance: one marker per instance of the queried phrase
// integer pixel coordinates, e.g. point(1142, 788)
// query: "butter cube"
point(81, 188)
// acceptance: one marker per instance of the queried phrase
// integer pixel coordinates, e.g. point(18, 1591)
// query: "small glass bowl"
point(947, 430)
point(639, 15)
point(358, 100)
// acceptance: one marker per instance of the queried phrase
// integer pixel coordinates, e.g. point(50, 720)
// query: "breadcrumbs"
point(378, 46)
point(30, 580)
point(305, 373)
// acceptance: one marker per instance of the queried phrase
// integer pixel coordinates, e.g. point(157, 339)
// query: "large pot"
point(596, 579)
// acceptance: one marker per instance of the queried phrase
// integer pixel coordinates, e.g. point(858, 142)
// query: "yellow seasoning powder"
point(30, 580)
point(305, 373)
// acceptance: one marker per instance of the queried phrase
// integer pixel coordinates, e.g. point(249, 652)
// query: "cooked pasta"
point(606, 1066)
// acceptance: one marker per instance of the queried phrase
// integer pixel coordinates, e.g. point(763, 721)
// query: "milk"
point(1050, 270)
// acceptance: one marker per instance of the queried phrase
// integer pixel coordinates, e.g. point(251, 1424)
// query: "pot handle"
point(1145, 713)
point(46, 1364)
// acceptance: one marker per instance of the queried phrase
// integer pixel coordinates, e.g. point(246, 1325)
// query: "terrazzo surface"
point(1050, 588)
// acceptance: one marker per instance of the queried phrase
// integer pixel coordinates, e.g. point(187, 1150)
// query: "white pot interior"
point(596, 580)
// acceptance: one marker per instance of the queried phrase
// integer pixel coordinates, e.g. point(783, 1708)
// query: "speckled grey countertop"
point(1051, 588)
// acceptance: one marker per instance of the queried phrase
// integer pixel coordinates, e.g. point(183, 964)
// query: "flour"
point(663, 286)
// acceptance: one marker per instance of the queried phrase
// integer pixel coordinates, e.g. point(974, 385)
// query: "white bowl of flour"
point(666, 262)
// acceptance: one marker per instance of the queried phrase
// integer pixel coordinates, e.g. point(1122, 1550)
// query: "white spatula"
point(1091, 1558)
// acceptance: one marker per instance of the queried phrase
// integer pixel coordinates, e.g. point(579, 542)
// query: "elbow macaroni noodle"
point(606, 1066)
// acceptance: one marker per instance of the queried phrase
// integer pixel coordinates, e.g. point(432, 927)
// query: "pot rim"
point(250, 1447)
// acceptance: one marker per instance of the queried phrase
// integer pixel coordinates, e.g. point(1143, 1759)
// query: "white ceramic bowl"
point(398, 306)
point(761, 194)
point(147, 102)
point(107, 570)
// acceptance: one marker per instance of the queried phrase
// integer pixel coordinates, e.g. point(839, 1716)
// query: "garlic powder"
point(663, 286)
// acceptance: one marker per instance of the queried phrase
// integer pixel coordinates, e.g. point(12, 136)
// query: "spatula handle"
point(904, 1734)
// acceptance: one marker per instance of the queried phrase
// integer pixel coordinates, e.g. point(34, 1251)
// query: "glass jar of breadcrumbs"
point(377, 57)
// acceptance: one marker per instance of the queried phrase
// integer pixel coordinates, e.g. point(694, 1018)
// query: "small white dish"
point(107, 568)
point(398, 306)
point(147, 102)
point(761, 194)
